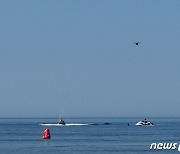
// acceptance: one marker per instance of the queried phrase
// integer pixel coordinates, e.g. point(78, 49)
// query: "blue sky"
point(77, 58)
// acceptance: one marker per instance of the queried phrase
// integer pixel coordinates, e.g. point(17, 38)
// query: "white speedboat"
point(145, 123)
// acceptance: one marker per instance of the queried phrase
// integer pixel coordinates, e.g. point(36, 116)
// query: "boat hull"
point(142, 123)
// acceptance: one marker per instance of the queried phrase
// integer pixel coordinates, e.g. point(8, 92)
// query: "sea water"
point(19, 136)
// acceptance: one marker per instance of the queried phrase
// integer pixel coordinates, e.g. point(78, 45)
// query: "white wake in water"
point(66, 124)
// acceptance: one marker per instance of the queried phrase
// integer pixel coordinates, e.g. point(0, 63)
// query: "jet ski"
point(145, 123)
point(62, 122)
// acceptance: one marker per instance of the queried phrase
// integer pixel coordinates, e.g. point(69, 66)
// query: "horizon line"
point(91, 117)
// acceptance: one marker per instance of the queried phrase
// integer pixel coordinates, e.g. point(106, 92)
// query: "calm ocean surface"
point(25, 136)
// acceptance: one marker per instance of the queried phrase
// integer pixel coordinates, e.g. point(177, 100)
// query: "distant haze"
point(78, 58)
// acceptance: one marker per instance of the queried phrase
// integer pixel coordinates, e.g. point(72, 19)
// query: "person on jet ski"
point(145, 121)
point(62, 122)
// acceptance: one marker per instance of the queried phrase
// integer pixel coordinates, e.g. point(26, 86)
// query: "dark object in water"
point(137, 43)
point(107, 123)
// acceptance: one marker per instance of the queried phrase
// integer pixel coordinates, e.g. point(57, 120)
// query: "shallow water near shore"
point(108, 135)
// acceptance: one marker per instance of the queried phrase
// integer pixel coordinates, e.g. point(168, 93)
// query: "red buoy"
point(46, 134)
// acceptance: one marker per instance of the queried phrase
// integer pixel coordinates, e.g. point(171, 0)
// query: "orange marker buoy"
point(46, 134)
